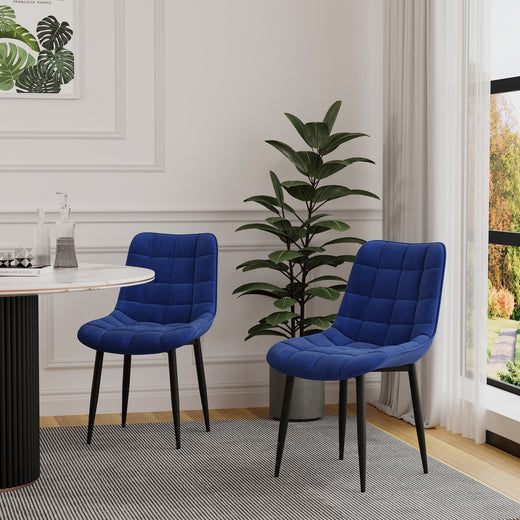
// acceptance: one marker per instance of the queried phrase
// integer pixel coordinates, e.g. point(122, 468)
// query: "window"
point(504, 201)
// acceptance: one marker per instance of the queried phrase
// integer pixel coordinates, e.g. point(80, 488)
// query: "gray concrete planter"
point(308, 399)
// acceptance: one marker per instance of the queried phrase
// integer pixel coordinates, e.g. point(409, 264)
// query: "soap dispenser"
point(41, 242)
point(65, 252)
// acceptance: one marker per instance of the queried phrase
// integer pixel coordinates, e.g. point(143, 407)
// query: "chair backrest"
point(393, 292)
point(185, 285)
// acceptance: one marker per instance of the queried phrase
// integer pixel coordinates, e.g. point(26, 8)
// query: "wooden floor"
point(482, 462)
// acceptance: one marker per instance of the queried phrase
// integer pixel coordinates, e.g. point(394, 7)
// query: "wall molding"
point(119, 133)
point(119, 96)
point(233, 215)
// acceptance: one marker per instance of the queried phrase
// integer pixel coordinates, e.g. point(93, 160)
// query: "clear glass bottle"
point(65, 250)
point(41, 242)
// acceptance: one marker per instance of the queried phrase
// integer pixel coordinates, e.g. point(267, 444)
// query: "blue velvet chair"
point(386, 322)
point(173, 310)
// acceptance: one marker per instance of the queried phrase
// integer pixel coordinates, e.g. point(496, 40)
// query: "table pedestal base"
point(19, 392)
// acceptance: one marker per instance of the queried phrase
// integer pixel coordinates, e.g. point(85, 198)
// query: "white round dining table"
point(19, 377)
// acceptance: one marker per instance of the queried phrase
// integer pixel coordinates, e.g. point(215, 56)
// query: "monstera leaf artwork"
point(7, 17)
point(52, 34)
point(59, 64)
point(17, 32)
point(36, 80)
point(34, 65)
point(13, 61)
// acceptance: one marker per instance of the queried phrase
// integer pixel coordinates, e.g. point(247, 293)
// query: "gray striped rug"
point(137, 473)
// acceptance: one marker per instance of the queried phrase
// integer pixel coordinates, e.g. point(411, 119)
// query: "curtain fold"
point(435, 182)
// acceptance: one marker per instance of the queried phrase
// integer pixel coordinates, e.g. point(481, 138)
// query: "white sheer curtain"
point(436, 159)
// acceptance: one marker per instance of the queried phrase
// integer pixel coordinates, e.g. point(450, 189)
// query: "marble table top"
point(84, 277)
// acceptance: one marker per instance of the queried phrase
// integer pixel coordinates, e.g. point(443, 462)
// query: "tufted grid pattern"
point(387, 318)
point(172, 310)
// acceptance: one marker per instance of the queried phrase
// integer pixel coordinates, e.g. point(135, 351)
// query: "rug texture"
point(136, 473)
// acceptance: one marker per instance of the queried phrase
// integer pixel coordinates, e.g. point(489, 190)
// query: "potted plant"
point(297, 219)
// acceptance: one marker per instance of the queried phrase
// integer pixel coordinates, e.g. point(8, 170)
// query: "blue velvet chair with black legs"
point(386, 322)
point(173, 310)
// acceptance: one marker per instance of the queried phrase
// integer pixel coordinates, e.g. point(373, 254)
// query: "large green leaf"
point(336, 140)
point(286, 150)
point(284, 256)
point(316, 135)
point(317, 321)
point(280, 317)
point(251, 265)
point(285, 303)
point(314, 218)
point(17, 32)
point(311, 160)
point(332, 113)
point(262, 288)
point(264, 227)
point(333, 261)
point(297, 123)
point(7, 17)
point(59, 64)
point(264, 201)
point(52, 34)
point(328, 278)
point(300, 190)
point(335, 225)
point(267, 332)
point(280, 223)
point(34, 80)
point(330, 192)
point(328, 293)
point(365, 193)
point(331, 167)
point(278, 191)
point(13, 61)
point(345, 240)
point(268, 200)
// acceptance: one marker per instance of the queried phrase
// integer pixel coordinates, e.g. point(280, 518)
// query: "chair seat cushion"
point(332, 356)
point(119, 334)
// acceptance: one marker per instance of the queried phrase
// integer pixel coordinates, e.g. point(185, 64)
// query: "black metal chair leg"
point(361, 430)
point(94, 394)
point(126, 387)
point(418, 416)
point(197, 349)
point(174, 392)
point(342, 416)
point(284, 421)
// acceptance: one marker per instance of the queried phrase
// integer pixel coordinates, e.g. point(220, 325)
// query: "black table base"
point(19, 392)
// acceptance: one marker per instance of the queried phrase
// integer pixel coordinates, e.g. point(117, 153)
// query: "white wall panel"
point(167, 134)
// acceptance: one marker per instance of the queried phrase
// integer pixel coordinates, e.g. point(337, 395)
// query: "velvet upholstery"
point(387, 318)
point(171, 311)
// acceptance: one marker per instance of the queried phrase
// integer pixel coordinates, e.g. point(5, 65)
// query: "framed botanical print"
point(38, 51)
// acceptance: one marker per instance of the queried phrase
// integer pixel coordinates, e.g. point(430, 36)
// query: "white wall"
point(176, 100)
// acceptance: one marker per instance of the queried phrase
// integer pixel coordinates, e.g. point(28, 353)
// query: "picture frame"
point(38, 49)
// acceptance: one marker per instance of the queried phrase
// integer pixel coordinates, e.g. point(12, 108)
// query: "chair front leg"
point(284, 421)
point(361, 430)
point(94, 394)
point(342, 416)
point(126, 387)
point(417, 413)
point(174, 394)
point(197, 350)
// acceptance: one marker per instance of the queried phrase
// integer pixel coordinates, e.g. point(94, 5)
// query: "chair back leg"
point(174, 393)
point(94, 394)
point(417, 413)
point(342, 416)
point(284, 421)
point(126, 387)
point(361, 430)
point(197, 350)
